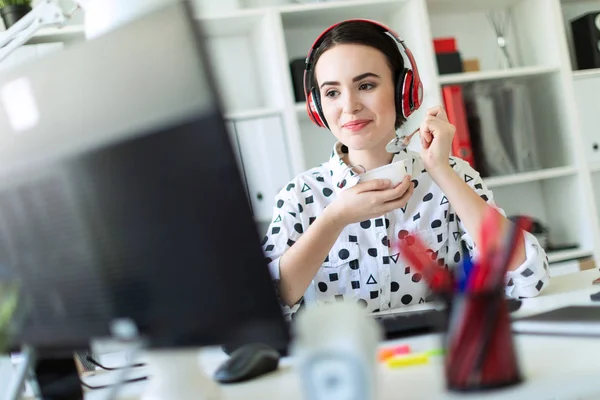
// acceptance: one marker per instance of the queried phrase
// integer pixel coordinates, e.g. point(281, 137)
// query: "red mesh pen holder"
point(480, 352)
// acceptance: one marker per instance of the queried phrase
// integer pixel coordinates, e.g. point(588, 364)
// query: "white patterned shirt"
point(362, 265)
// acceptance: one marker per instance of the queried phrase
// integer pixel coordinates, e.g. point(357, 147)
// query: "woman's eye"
point(331, 93)
point(366, 86)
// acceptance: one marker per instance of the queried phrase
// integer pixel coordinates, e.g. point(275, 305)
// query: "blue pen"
point(467, 268)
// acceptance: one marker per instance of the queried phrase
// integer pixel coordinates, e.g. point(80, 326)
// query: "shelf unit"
point(251, 43)
point(252, 114)
point(533, 176)
point(587, 73)
point(300, 108)
point(469, 77)
point(586, 84)
point(563, 255)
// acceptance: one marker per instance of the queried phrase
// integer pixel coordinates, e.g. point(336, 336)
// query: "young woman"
point(330, 237)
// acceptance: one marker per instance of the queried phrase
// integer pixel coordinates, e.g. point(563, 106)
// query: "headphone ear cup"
point(417, 94)
point(316, 112)
point(398, 93)
point(311, 109)
point(404, 93)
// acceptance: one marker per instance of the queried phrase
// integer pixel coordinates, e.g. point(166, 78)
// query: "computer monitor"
point(120, 196)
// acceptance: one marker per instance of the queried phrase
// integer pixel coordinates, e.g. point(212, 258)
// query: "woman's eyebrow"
point(355, 79)
point(365, 75)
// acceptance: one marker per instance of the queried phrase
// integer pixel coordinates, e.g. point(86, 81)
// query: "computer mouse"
point(247, 362)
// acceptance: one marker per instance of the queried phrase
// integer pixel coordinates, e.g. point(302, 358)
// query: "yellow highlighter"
point(407, 360)
point(435, 352)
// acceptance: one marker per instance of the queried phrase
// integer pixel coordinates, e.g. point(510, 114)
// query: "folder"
point(457, 115)
point(496, 160)
point(523, 130)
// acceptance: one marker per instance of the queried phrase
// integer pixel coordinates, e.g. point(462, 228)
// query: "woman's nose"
point(352, 103)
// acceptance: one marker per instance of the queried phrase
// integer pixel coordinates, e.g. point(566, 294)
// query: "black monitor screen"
point(123, 198)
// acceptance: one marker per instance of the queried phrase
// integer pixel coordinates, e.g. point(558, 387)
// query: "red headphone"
point(409, 90)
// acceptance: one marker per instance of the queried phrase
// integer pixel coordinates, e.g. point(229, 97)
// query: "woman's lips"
point(357, 125)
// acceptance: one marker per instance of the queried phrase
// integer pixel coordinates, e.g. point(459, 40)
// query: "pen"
point(467, 268)
point(438, 278)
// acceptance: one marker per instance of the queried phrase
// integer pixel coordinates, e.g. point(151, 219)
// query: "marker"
point(401, 350)
point(385, 354)
point(407, 360)
point(389, 352)
point(435, 352)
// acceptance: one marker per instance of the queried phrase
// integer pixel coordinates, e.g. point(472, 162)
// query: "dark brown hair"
point(368, 34)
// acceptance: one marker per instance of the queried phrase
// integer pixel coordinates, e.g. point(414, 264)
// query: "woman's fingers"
point(425, 134)
point(375, 184)
point(397, 192)
point(401, 201)
point(438, 111)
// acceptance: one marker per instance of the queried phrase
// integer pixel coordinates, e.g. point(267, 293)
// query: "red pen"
point(438, 278)
point(509, 248)
point(488, 248)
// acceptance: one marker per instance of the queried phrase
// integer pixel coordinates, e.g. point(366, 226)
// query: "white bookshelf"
point(586, 84)
point(442, 7)
point(533, 176)
point(251, 43)
point(586, 73)
point(252, 113)
point(300, 108)
point(468, 77)
point(563, 255)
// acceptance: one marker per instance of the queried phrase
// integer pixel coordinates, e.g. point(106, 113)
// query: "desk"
point(556, 368)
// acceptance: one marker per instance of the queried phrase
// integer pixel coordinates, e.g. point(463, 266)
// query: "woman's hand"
point(369, 199)
point(436, 134)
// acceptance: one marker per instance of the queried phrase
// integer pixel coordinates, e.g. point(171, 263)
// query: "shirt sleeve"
point(284, 230)
point(531, 277)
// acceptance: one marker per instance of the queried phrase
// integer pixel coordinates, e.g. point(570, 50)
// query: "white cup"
point(395, 172)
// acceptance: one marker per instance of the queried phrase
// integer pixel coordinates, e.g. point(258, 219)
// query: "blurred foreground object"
point(480, 353)
point(9, 294)
point(101, 16)
point(112, 233)
point(336, 347)
point(13, 10)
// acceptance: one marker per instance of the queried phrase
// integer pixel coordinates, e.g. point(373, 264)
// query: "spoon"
point(400, 143)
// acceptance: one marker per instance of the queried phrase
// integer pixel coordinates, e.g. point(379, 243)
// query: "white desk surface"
point(556, 368)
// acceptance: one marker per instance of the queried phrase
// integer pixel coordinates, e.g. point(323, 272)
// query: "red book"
point(444, 45)
point(457, 115)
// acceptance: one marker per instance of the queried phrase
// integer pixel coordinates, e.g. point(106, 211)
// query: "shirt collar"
point(342, 175)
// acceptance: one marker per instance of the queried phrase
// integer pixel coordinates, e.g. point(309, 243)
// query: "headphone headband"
point(411, 91)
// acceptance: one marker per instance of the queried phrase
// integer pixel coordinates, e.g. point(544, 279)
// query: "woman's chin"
point(360, 142)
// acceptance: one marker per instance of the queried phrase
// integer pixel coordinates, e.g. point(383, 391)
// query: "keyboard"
point(400, 323)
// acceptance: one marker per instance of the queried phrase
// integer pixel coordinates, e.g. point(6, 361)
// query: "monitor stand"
point(14, 388)
point(176, 374)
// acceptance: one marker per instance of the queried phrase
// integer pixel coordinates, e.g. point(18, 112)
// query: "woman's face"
point(357, 95)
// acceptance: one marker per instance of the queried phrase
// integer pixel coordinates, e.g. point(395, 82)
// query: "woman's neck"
point(370, 158)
